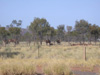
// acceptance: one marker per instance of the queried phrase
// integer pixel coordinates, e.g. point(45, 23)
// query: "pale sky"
point(55, 11)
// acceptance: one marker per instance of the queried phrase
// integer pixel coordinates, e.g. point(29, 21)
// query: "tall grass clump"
point(17, 68)
point(30, 67)
point(57, 69)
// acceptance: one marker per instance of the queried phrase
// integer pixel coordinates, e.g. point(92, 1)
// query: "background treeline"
point(40, 30)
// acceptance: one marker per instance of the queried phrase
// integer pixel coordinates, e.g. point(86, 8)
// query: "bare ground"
point(86, 70)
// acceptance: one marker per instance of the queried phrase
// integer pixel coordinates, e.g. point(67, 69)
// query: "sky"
point(56, 12)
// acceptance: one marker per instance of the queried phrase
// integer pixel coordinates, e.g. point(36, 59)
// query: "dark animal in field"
point(48, 42)
point(58, 41)
point(80, 44)
point(7, 41)
point(13, 41)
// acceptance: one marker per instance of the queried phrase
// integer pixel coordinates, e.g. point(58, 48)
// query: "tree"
point(69, 28)
point(16, 23)
point(81, 28)
point(19, 23)
point(39, 28)
point(15, 32)
point(3, 33)
point(14, 28)
point(74, 36)
point(89, 36)
point(27, 37)
point(51, 33)
point(95, 32)
point(60, 31)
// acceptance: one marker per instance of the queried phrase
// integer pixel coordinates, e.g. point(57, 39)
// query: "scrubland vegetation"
point(53, 60)
point(41, 47)
point(24, 52)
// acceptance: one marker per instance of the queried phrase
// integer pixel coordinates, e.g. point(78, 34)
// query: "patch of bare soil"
point(77, 70)
point(80, 70)
point(39, 70)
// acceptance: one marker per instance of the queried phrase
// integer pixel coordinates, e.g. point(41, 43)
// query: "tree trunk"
point(41, 38)
point(41, 41)
point(90, 40)
point(83, 38)
point(35, 40)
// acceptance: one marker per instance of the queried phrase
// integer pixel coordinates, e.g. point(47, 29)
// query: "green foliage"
point(69, 28)
point(60, 31)
point(3, 32)
point(16, 23)
point(41, 29)
point(27, 36)
point(51, 32)
point(12, 29)
point(82, 29)
point(15, 30)
point(73, 33)
point(82, 26)
point(61, 28)
point(39, 26)
point(95, 30)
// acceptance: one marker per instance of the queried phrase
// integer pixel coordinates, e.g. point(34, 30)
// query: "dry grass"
point(54, 60)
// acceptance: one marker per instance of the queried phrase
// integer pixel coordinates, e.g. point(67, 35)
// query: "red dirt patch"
point(39, 69)
point(80, 70)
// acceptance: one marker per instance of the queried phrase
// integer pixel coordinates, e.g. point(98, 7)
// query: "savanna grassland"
point(52, 60)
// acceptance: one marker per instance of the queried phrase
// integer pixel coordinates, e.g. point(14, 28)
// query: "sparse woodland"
point(40, 30)
point(28, 54)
